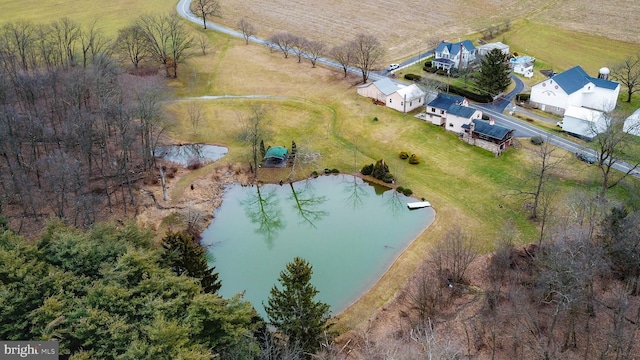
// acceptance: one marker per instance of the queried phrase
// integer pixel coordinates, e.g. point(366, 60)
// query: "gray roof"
point(461, 111)
point(492, 131)
point(386, 86)
point(454, 48)
point(576, 78)
point(444, 101)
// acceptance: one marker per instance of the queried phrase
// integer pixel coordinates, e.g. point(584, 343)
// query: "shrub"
point(413, 77)
point(441, 72)
point(326, 171)
point(414, 159)
point(367, 169)
point(429, 69)
point(537, 140)
point(314, 174)
point(194, 164)
point(335, 171)
point(407, 192)
point(481, 98)
point(400, 189)
point(375, 118)
point(404, 155)
point(427, 64)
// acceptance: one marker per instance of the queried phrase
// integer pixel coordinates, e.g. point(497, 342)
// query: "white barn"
point(575, 87)
point(403, 98)
point(632, 124)
point(586, 123)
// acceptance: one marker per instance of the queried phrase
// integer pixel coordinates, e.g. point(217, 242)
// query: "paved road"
point(494, 109)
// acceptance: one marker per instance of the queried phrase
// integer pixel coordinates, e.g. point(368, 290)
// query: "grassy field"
point(321, 112)
point(405, 27)
point(109, 15)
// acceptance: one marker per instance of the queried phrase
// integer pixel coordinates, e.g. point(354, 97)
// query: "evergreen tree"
point(494, 73)
point(185, 256)
point(293, 311)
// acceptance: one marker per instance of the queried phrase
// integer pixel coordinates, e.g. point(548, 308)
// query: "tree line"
point(76, 131)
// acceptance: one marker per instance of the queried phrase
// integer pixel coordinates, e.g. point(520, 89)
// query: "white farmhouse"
point(400, 97)
point(583, 122)
point(451, 111)
point(575, 87)
point(454, 56)
point(522, 65)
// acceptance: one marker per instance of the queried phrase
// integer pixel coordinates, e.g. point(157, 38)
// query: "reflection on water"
point(307, 203)
point(348, 234)
point(357, 191)
point(262, 208)
point(191, 153)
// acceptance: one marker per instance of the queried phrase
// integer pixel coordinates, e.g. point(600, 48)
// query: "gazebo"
point(276, 156)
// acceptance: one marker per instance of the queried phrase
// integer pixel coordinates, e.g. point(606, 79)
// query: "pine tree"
point(494, 73)
point(292, 310)
point(186, 256)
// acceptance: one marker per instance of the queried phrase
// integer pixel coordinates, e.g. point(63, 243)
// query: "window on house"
point(450, 124)
point(433, 109)
point(401, 103)
point(390, 101)
point(410, 103)
point(442, 112)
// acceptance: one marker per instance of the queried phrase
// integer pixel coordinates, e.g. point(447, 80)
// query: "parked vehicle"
point(393, 67)
point(590, 159)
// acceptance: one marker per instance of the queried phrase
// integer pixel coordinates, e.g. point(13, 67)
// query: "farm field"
point(405, 27)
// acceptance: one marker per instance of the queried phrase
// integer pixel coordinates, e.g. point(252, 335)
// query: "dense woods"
point(76, 131)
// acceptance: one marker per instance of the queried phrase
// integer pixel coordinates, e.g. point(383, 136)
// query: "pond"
point(349, 231)
point(187, 154)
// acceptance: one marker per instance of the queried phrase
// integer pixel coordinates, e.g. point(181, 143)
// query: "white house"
point(584, 122)
point(632, 124)
point(575, 87)
point(522, 65)
point(451, 111)
point(400, 97)
point(484, 49)
point(454, 56)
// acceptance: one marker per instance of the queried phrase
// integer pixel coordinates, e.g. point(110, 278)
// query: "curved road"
point(494, 109)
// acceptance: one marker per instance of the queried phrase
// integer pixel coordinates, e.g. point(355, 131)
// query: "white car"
point(393, 67)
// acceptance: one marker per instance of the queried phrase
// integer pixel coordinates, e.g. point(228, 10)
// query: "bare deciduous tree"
point(203, 42)
point(253, 131)
point(452, 256)
point(195, 112)
point(628, 74)
point(315, 49)
point(206, 8)
point(131, 44)
point(299, 46)
point(247, 29)
point(166, 40)
point(367, 53)
point(284, 42)
point(344, 56)
point(610, 141)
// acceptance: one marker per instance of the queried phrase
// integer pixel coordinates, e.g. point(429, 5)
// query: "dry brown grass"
point(404, 27)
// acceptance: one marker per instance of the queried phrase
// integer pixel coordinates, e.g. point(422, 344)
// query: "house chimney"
point(491, 121)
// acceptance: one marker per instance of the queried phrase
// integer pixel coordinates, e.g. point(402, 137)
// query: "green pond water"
point(348, 230)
